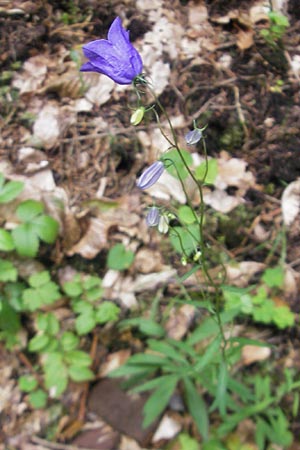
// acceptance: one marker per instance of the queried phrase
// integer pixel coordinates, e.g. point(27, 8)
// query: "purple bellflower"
point(194, 136)
point(152, 217)
point(151, 175)
point(115, 57)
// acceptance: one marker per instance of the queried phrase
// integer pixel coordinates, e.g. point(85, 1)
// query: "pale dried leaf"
point(253, 353)
point(100, 89)
point(245, 39)
point(290, 202)
point(33, 74)
point(167, 187)
point(152, 280)
point(148, 260)
point(240, 274)
point(128, 443)
point(167, 429)
point(94, 240)
point(179, 321)
point(221, 201)
point(232, 172)
point(114, 361)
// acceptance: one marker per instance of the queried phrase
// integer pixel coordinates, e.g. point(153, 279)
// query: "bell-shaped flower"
point(193, 136)
point(151, 175)
point(115, 56)
point(152, 217)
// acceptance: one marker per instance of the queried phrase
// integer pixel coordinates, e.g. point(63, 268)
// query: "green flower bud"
point(137, 116)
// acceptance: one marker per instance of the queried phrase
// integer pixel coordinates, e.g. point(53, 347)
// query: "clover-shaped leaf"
point(42, 291)
point(36, 226)
point(10, 190)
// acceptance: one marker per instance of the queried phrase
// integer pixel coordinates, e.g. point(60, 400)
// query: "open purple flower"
point(115, 57)
point(151, 175)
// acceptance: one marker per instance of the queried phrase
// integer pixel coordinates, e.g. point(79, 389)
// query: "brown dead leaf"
point(245, 39)
point(179, 321)
point(33, 74)
point(240, 274)
point(167, 429)
point(253, 353)
point(114, 361)
point(94, 240)
point(147, 261)
point(290, 202)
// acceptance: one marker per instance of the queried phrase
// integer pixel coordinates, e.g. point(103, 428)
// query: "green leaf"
point(25, 240)
point(73, 288)
point(166, 349)
point(188, 443)
point(119, 258)
point(7, 271)
point(209, 171)
point(85, 323)
point(69, 341)
point(174, 164)
point(91, 282)
point(146, 326)
point(158, 401)
point(82, 307)
point(185, 240)
point(283, 317)
point(186, 214)
point(6, 241)
point(38, 343)
point(9, 319)
point(93, 294)
point(29, 209)
point(107, 312)
point(10, 190)
point(79, 374)
point(38, 279)
point(212, 351)
point(42, 294)
point(38, 399)
point(196, 407)
point(27, 383)
point(78, 358)
point(56, 380)
point(274, 277)
point(46, 228)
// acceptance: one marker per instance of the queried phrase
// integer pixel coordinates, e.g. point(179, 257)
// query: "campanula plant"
point(199, 364)
point(115, 56)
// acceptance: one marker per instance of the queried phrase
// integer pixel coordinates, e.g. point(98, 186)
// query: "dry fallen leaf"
point(240, 274)
point(179, 321)
point(167, 429)
point(290, 202)
point(253, 353)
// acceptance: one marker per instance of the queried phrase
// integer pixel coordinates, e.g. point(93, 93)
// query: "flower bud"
point(137, 116)
point(163, 225)
point(152, 218)
point(151, 175)
point(193, 136)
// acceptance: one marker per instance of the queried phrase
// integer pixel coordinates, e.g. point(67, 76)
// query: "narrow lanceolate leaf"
point(196, 407)
point(159, 400)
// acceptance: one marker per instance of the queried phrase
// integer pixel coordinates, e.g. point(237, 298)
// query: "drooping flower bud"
point(152, 217)
point(137, 116)
point(163, 225)
point(193, 136)
point(151, 175)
